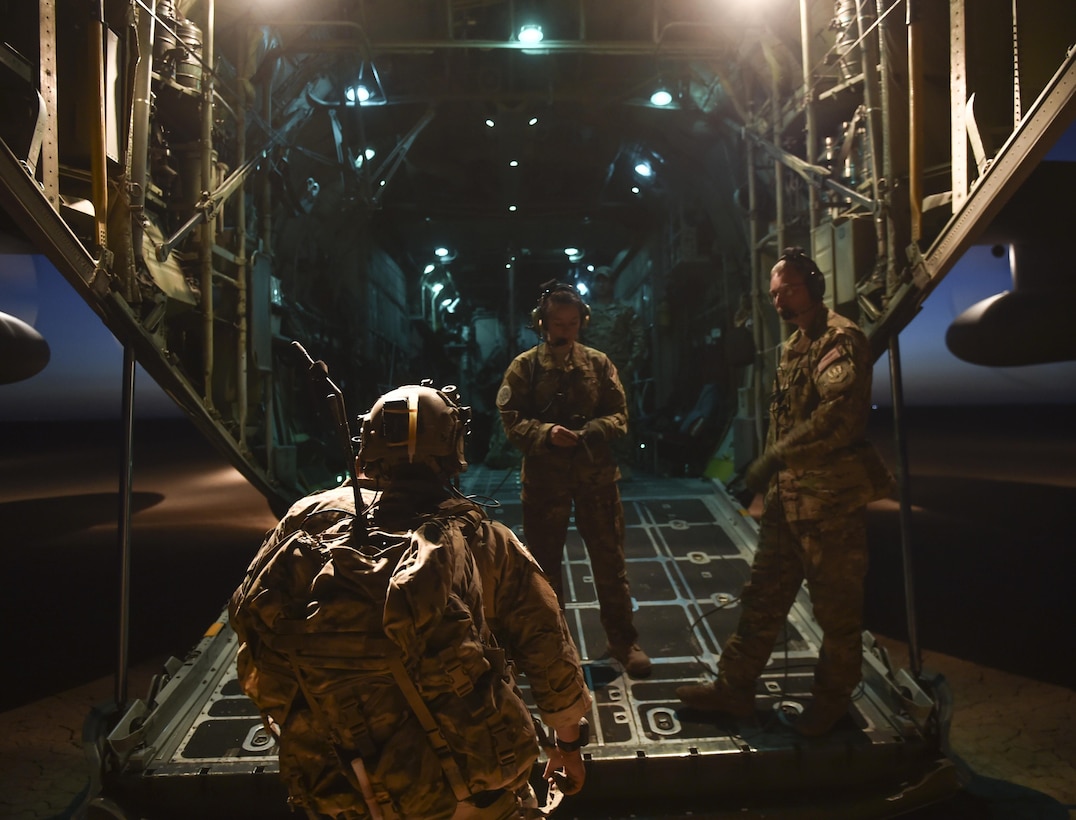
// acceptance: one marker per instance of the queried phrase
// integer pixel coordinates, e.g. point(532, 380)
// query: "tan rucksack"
point(374, 667)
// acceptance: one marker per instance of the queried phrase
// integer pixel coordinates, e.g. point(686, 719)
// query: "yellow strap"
point(412, 425)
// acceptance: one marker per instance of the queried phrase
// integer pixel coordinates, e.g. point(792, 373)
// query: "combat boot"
point(635, 662)
point(820, 716)
point(718, 697)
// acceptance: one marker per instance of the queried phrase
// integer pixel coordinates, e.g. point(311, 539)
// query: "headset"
point(813, 278)
point(563, 293)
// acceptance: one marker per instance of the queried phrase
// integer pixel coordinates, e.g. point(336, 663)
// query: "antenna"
point(318, 372)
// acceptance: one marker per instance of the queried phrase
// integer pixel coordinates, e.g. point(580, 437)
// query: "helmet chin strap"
point(412, 425)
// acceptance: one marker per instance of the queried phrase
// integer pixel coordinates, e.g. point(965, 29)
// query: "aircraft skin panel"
point(689, 548)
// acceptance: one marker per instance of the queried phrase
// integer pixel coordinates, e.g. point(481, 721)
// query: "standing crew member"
point(818, 472)
point(562, 404)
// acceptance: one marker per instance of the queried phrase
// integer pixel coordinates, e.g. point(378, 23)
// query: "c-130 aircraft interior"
point(389, 183)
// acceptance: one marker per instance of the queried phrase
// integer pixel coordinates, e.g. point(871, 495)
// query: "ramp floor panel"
point(688, 549)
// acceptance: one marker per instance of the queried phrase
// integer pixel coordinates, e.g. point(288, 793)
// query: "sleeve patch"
point(837, 374)
point(833, 355)
point(504, 395)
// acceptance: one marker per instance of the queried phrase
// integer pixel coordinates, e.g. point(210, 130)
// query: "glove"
point(761, 470)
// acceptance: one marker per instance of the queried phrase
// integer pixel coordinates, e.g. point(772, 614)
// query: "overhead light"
point(513, 163)
point(441, 252)
point(530, 33)
point(643, 169)
point(661, 97)
point(490, 123)
point(367, 89)
point(635, 190)
point(357, 94)
point(532, 121)
point(571, 251)
point(437, 287)
point(511, 207)
point(429, 269)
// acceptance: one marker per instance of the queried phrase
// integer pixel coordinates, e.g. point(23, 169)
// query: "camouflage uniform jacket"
point(615, 329)
point(818, 421)
point(584, 394)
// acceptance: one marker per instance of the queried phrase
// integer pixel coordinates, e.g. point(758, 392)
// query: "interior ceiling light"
point(571, 251)
point(513, 163)
point(532, 121)
point(661, 97)
point(357, 94)
point(511, 207)
point(530, 33)
point(429, 269)
point(643, 169)
point(490, 123)
point(367, 89)
point(441, 252)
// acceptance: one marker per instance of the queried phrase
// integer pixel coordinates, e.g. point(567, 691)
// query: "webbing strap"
point(378, 799)
point(433, 731)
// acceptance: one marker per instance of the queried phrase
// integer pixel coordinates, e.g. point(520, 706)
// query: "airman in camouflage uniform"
point(467, 571)
point(562, 405)
point(818, 472)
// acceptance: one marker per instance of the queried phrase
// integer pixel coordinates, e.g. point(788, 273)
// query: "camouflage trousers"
point(599, 517)
point(831, 555)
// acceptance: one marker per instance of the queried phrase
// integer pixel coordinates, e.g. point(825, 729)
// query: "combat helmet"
point(414, 424)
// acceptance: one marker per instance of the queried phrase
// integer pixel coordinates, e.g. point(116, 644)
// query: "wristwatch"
point(578, 743)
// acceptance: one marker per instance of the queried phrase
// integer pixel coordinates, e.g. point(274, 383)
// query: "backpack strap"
point(387, 655)
point(433, 731)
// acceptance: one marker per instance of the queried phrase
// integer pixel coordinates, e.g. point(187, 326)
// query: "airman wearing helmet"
point(411, 444)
